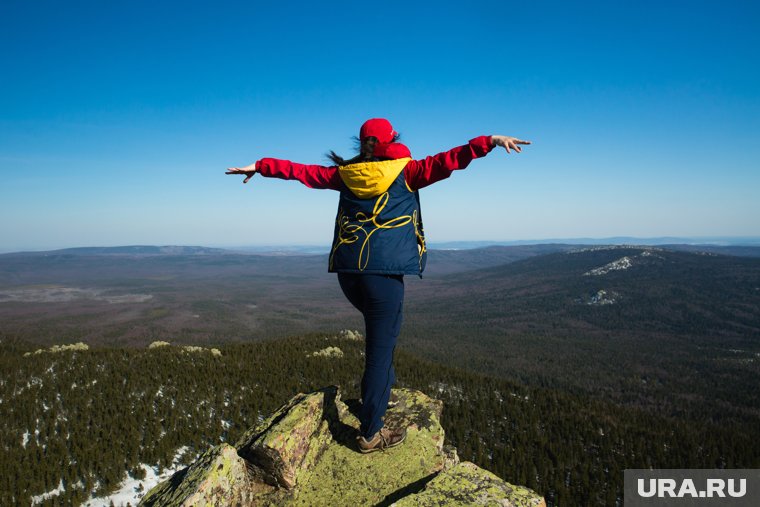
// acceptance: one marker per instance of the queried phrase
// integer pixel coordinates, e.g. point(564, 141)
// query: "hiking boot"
point(382, 440)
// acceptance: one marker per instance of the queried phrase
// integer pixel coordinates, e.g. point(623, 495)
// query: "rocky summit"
point(305, 454)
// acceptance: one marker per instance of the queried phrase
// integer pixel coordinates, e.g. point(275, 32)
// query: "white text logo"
point(670, 488)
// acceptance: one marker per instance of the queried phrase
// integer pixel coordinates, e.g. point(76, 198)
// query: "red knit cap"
point(379, 128)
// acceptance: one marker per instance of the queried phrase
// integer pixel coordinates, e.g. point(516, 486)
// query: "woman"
point(378, 239)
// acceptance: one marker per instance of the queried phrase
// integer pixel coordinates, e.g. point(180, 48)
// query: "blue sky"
point(118, 119)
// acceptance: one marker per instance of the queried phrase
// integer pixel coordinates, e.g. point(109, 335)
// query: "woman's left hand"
point(248, 170)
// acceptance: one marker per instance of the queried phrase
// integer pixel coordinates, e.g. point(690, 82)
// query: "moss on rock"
point(343, 476)
point(306, 454)
point(292, 440)
point(218, 477)
point(467, 484)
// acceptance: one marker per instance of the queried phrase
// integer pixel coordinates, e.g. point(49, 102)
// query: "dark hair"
point(365, 151)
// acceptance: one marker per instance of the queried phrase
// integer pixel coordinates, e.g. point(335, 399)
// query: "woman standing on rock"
point(378, 239)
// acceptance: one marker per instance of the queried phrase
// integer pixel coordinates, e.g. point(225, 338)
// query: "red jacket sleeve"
point(421, 173)
point(313, 176)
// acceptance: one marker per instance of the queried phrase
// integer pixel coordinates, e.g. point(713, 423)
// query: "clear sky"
point(118, 119)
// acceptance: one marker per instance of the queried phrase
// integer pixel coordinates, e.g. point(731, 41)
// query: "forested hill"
point(611, 288)
point(95, 265)
point(646, 328)
point(76, 422)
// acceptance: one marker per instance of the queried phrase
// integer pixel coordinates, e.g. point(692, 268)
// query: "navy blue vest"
point(379, 235)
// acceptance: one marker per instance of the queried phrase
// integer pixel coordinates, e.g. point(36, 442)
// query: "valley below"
point(562, 364)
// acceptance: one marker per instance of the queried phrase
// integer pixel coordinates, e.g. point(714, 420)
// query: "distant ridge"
point(742, 247)
point(132, 250)
point(614, 240)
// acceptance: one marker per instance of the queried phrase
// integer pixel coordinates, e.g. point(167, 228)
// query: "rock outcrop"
point(79, 346)
point(305, 454)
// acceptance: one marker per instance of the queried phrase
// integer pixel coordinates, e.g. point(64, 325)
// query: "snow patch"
point(620, 264)
point(131, 490)
point(600, 298)
point(454, 391)
point(50, 494)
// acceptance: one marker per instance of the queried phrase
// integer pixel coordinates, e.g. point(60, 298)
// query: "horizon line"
point(466, 244)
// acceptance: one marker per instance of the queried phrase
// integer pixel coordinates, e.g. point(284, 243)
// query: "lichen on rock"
point(348, 334)
point(292, 439)
point(218, 477)
point(328, 352)
point(75, 347)
point(345, 477)
point(305, 454)
point(466, 484)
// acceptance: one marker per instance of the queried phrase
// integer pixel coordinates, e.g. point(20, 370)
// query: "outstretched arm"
point(313, 176)
point(421, 173)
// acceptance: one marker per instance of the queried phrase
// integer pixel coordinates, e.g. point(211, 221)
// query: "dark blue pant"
point(380, 298)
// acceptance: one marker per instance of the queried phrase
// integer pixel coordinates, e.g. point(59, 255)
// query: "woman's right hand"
point(248, 170)
point(508, 142)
